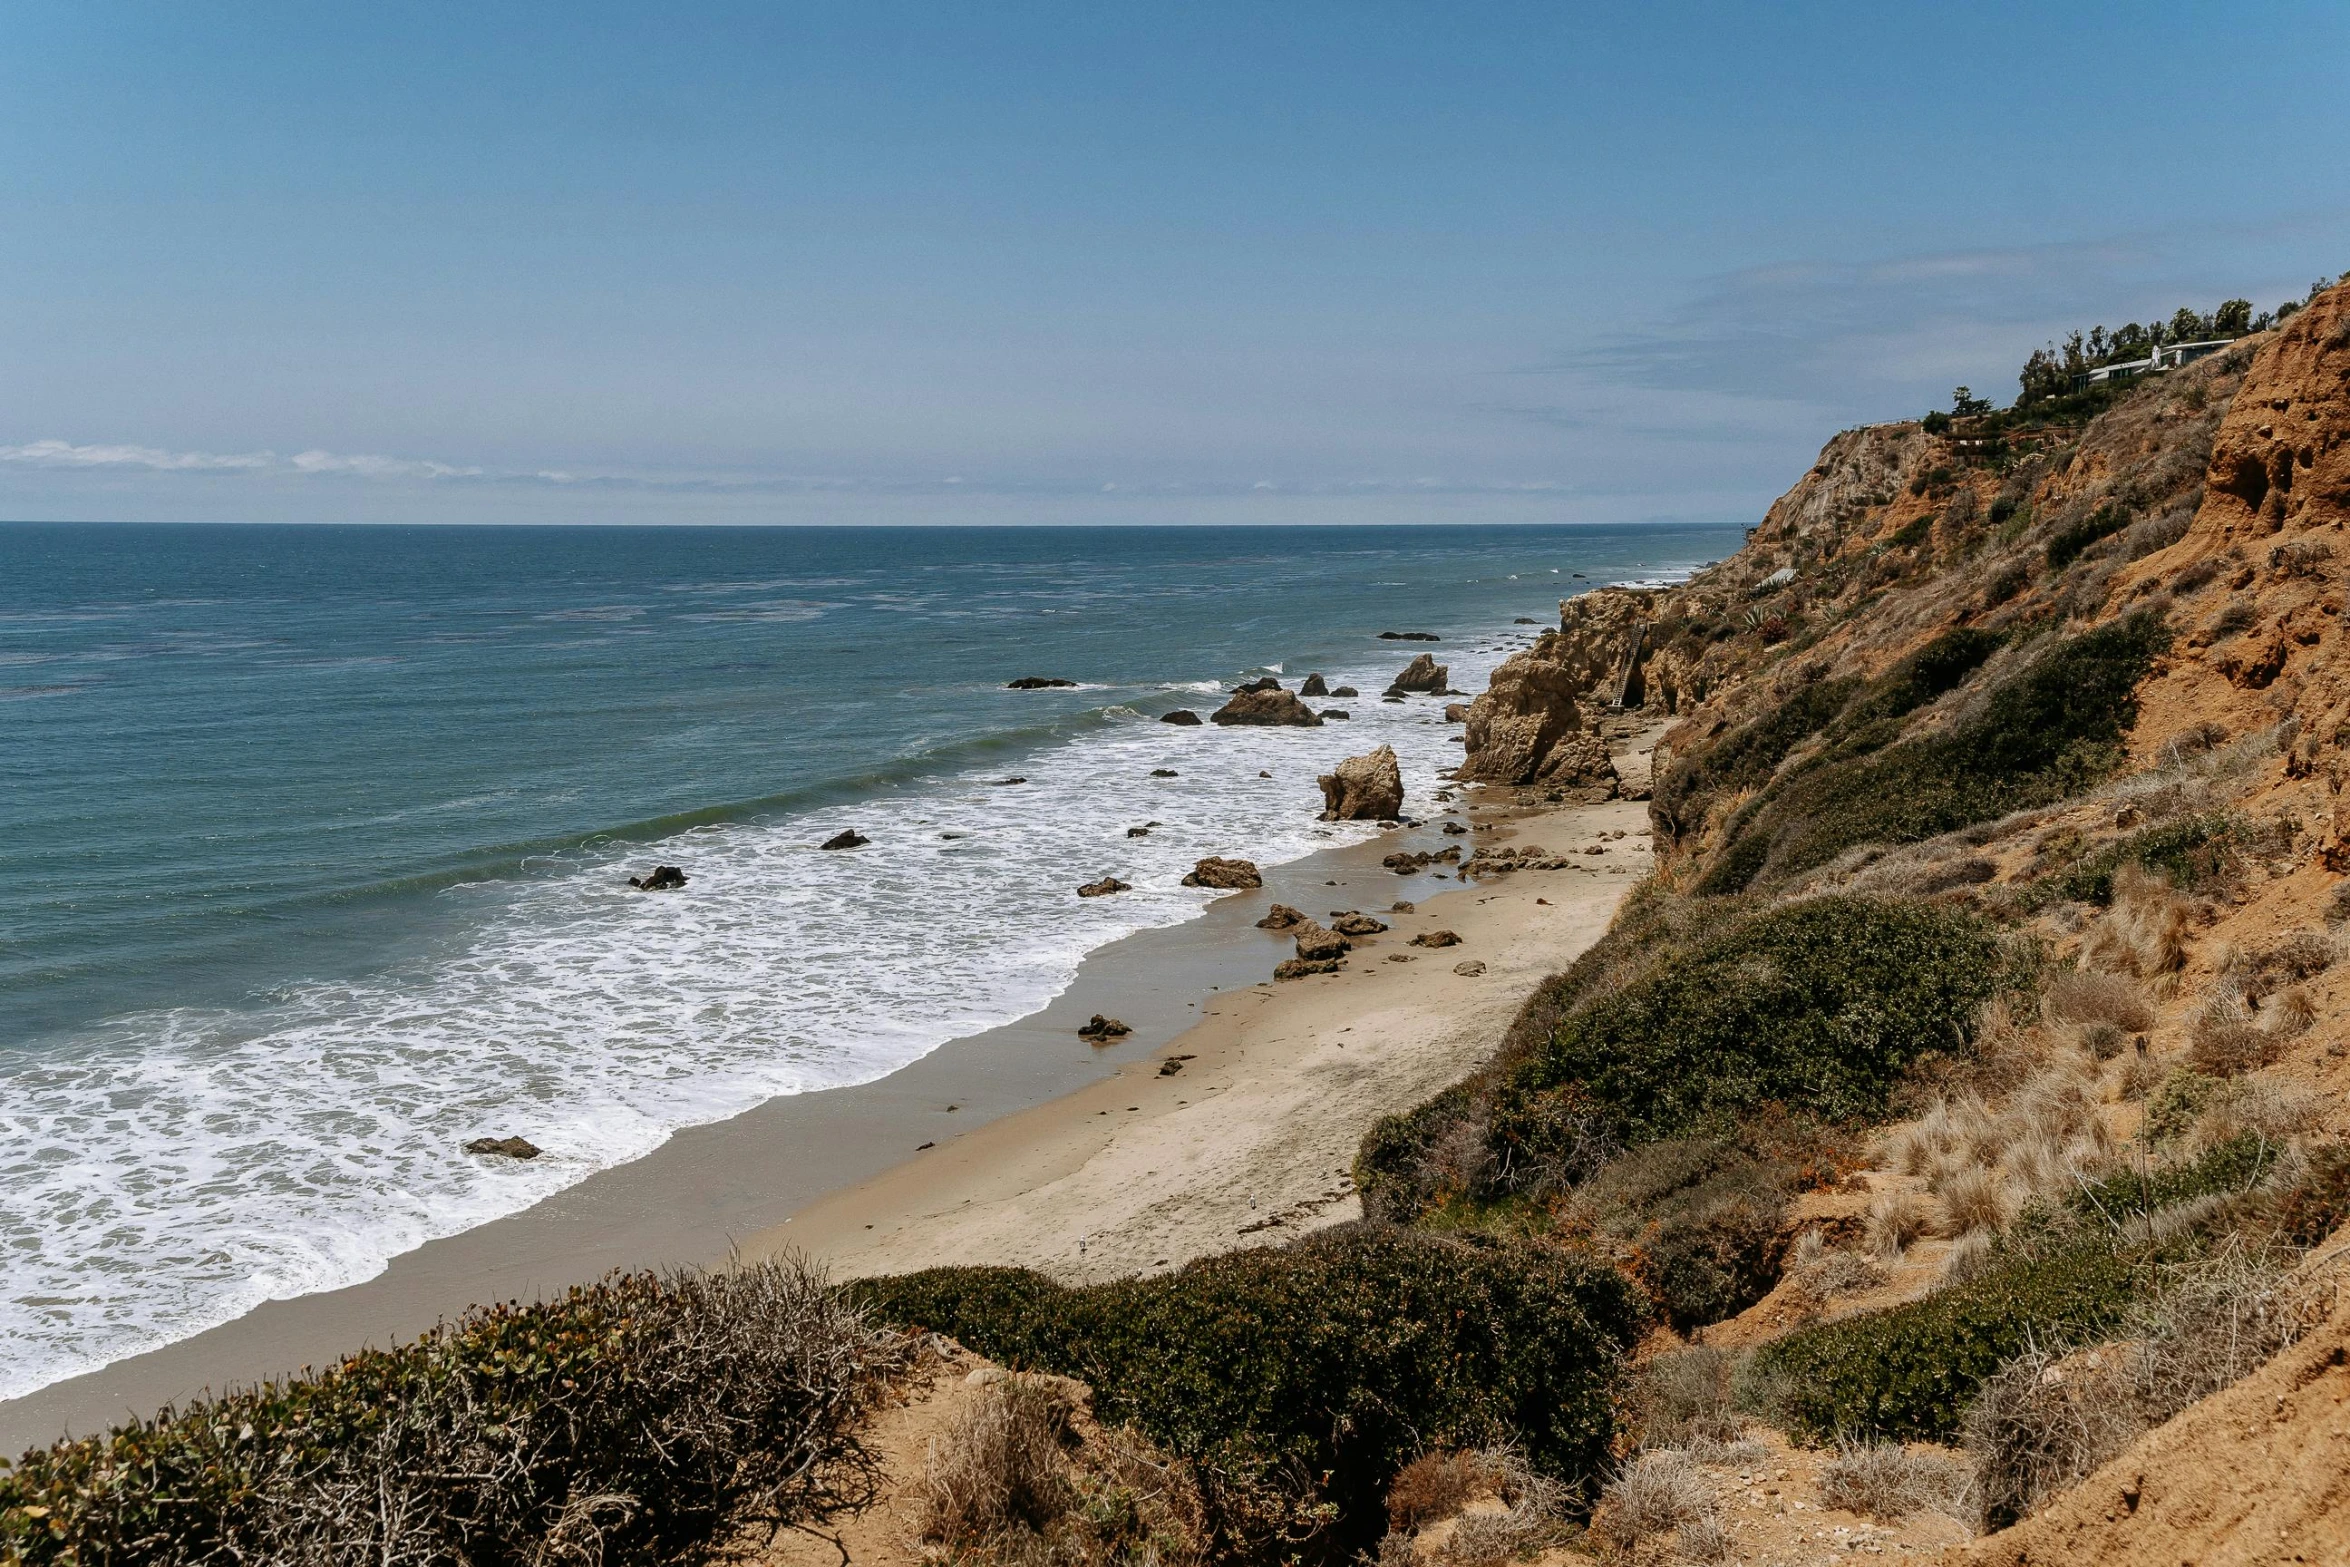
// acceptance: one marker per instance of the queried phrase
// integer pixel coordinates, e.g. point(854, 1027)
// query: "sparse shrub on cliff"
point(1699, 1222)
point(2070, 543)
point(1312, 1374)
point(633, 1421)
point(2196, 854)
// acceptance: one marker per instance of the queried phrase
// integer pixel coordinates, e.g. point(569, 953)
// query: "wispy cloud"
point(155, 459)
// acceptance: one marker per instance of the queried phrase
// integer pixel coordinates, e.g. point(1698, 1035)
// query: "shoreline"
point(799, 1171)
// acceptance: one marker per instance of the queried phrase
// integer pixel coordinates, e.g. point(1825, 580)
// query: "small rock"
point(1225, 875)
point(504, 1147)
point(1164, 772)
point(1401, 906)
point(1422, 674)
point(1299, 968)
point(1358, 925)
point(1283, 917)
point(1397, 700)
point(1346, 691)
point(1456, 712)
point(1315, 943)
point(1409, 636)
point(1181, 715)
point(1455, 828)
point(1104, 887)
point(1102, 1030)
point(1169, 1068)
point(1313, 686)
point(848, 838)
point(1261, 683)
point(1038, 683)
point(1001, 782)
point(1261, 773)
point(1525, 620)
point(1470, 967)
point(1338, 713)
point(1138, 832)
point(665, 878)
point(1399, 957)
point(1437, 938)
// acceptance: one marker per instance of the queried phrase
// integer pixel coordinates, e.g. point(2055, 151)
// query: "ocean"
point(316, 842)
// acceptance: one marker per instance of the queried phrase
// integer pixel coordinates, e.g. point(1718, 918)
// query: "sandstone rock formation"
point(1313, 686)
point(1226, 875)
point(1421, 674)
point(1357, 925)
point(1265, 704)
point(1363, 788)
point(1528, 727)
point(1315, 943)
point(503, 1147)
point(1104, 887)
point(1300, 968)
point(1283, 917)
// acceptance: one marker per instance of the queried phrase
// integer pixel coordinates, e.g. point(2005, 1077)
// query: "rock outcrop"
point(847, 838)
point(1313, 686)
point(664, 878)
point(1528, 728)
point(1283, 917)
point(503, 1147)
point(1104, 887)
point(1363, 788)
point(1422, 674)
point(1038, 683)
point(1181, 715)
point(1266, 705)
point(1224, 875)
point(1316, 943)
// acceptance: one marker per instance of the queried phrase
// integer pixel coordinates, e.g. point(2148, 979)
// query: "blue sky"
point(1094, 263)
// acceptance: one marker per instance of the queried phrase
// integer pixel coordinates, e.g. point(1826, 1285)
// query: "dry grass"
point(1895, 1219)
point(1002, 1465)
point(1656, 1493)
point(1983, 1165)
point(2082, 998)
point(1824, 1272)
point(1974, 1199)
point(1888, 1482)
point(2224, 1038)
point(1684, 1396)
point(1705, 1539)
point(2144, 933)
point(1438, 1485)
point(1534, 1517)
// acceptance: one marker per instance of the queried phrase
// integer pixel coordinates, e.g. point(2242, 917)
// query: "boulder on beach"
point(1313, 686)
point(1171, 1066)
point(1437, 938)
point(1104, 887)
point(1282, 917)
point(1358, 925)
point(1409, 636)
point(1469, 966)
point(1038, 683)
point(1314, 942)
point(1299, 968)
point(1103, 1029)
point(1225, 875)
point(1265, 705)
point(665, 878)
point(1422, 674)
point(1363, 788)
point(1181, 715)
point(850, 838)
point(1346, 691)
point(1402, 906)
point(504, 1147)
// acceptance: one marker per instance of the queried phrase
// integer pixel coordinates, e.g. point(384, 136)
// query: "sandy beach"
point(1085, 1161)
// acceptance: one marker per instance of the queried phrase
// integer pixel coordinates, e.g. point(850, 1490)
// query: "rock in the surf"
point(1138, 832)
point(1283, 917)
point(1339, 714)
point(1038, 683)
point(503, 1147)
point(1103, 1029)
point(1456, 712)
point(1346, 691)
point(1421, 674)
point(1181, 715)
point(665, 878)
point(849, 838)
point(1104, 887)
point(1265, 705)
point(1409, 636)
point(1313, 686)
point(1225, 875)
point(1164, 772)
point(1363, 788)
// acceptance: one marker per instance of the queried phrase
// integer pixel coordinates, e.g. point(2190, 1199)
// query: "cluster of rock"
point(1405, 861)
point(1103, 1029)
point(1264, 704)
point(1501, 861)
point(665, 878)
point(1363, 789)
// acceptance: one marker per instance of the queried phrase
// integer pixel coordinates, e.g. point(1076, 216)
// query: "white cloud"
point(64, 454)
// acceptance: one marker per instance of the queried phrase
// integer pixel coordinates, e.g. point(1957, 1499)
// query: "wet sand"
point(1259, 1125)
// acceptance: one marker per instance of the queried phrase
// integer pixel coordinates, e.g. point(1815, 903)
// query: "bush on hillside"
point(1315, 1372)
point(636, 1420)
point(2196, 854)
point(2042, 734)
point(1823, 1004)
point(1698, 1221)
point(2069, 544)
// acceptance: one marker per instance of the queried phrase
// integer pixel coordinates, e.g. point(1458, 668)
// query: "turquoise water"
point(316, 841)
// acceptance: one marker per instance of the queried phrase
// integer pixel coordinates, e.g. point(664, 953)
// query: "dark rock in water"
point(1314, 942)
point(665, 878)
point(1000, 782)
point(1409, 636)
point(504, 1147)
point(1283, 917)
point(1104, 887)
point(1181, 715)
point(1338, 713)
point(1346, 691)
point(849, 839)
point(1526, 620)
point(1261, 773)
point(1164, 772)
point(1263, 683)
point(1103, 1029)
point(1313, 686)
point(1299, 968)
point(1397, 700)
point(1225, 875)
point(1404, 861)
point(1358, 925)
point(1455, 828)
point(1422, 674)
point(1265, 705)
point(1437, 938)
point(1138, 832)
point(1038, 683)
point(1363, 788)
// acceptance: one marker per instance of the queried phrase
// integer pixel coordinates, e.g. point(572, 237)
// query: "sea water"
point(316, 842)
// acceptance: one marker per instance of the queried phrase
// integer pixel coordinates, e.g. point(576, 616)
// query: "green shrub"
point(1319, 1369)
point(2234, 1167)
point(2175, 1102)
point(1908, 1374)
point(2319, 1203)
point(2069, 544)
point(2194, 853)
point(638, 1420)
point(1417, 1158)
point(1746, 757)
point(1823, 1004)
point(1698, 1221)
point(2042, 734)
